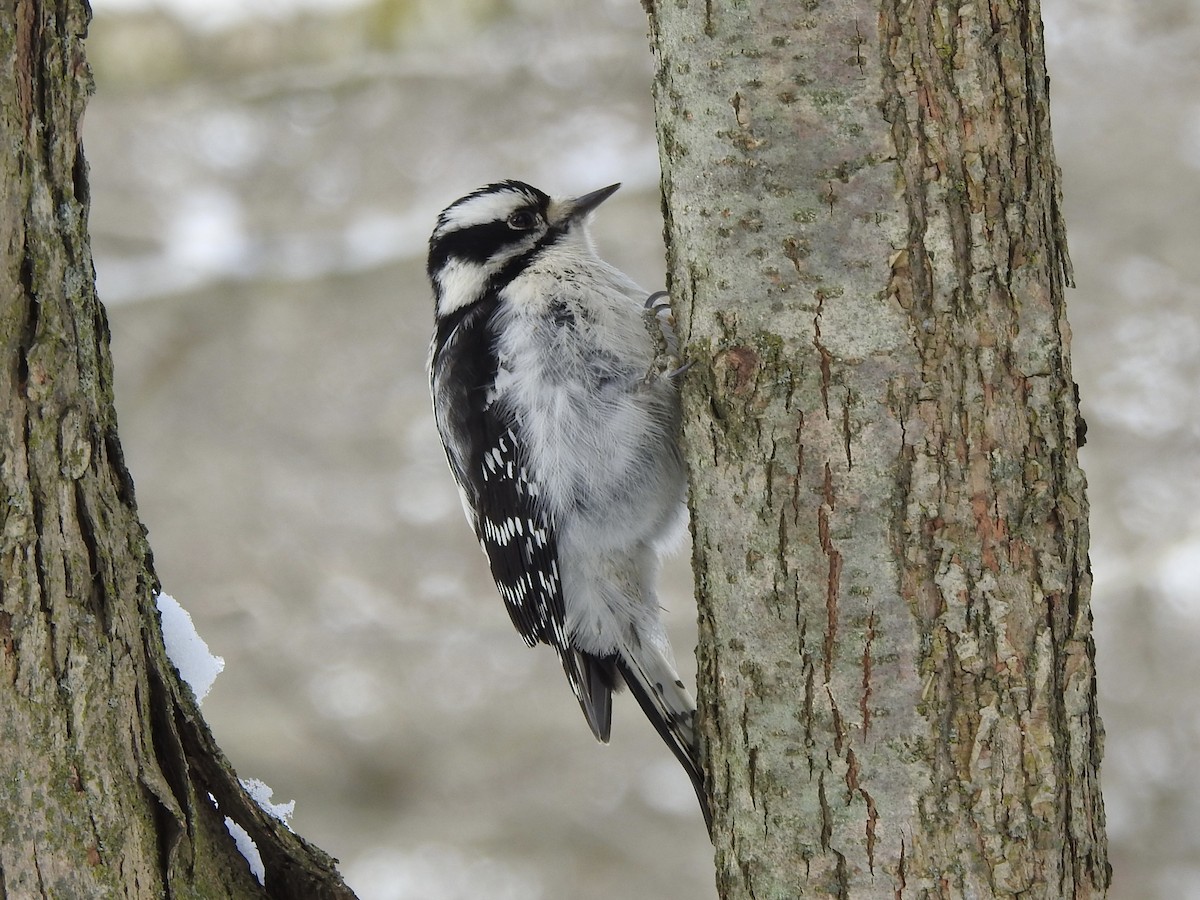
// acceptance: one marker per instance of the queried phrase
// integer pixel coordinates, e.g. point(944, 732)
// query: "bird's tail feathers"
point(597, 681)
point(661, 694)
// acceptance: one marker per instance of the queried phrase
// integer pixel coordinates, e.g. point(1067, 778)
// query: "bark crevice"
point(866, 248)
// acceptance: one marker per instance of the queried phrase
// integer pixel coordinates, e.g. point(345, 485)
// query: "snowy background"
point(265, 176)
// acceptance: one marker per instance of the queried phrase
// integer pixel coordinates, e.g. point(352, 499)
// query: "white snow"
point(260, 793)
point(218, 14)
point(439, 872)
point(664, 787)
point(248, 849)
point(207, 233)
point(199, 668)
point(1178, 576)
point(187, 650)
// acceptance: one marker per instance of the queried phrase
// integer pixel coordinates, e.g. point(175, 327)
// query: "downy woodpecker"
point(554, 390)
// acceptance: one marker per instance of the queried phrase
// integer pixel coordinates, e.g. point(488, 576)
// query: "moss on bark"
point(868, 259)
point(108, 766)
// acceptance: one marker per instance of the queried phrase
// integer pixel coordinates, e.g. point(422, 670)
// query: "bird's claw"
point(661, 323)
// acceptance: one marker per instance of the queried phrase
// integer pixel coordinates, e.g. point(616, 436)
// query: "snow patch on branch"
point(248, 849)
point(260, 793)
point(186, 649)
point(199, 667)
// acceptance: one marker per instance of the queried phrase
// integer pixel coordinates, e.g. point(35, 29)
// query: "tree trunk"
point(109, 771)
point(867, 256)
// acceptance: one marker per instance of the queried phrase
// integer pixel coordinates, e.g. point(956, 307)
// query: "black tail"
point(676, 734)
point(599, 680)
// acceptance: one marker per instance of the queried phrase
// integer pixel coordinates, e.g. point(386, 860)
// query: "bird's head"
point(486, 238)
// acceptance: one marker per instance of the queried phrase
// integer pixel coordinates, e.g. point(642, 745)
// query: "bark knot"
point(743, 363)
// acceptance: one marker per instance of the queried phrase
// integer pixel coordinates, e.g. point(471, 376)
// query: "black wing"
point(501, 498)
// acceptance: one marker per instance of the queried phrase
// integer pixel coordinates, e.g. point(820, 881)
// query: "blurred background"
point(264, 178)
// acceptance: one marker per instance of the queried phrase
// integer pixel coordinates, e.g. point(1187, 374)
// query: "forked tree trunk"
point(868, 258)
point(107, 768)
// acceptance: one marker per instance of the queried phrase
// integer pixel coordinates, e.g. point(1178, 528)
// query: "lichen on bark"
point(110, 772)
point(889, 521)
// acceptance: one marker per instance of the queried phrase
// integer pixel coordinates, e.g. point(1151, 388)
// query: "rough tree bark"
point(868, 258)
point(108, 768)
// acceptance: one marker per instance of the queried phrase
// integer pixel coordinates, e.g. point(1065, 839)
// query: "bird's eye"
point(522, 220)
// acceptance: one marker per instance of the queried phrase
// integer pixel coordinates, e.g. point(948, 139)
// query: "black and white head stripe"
point(490, 236)
point(477, 229)
point(484, 239)
point(489, 205)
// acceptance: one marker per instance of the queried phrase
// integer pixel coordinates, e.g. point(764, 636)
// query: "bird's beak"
point(578, 208)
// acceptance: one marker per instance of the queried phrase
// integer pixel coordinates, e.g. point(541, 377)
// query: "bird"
point(555, 387)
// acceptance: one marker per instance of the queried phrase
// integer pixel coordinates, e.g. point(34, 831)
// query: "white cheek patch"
point(460, 283)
